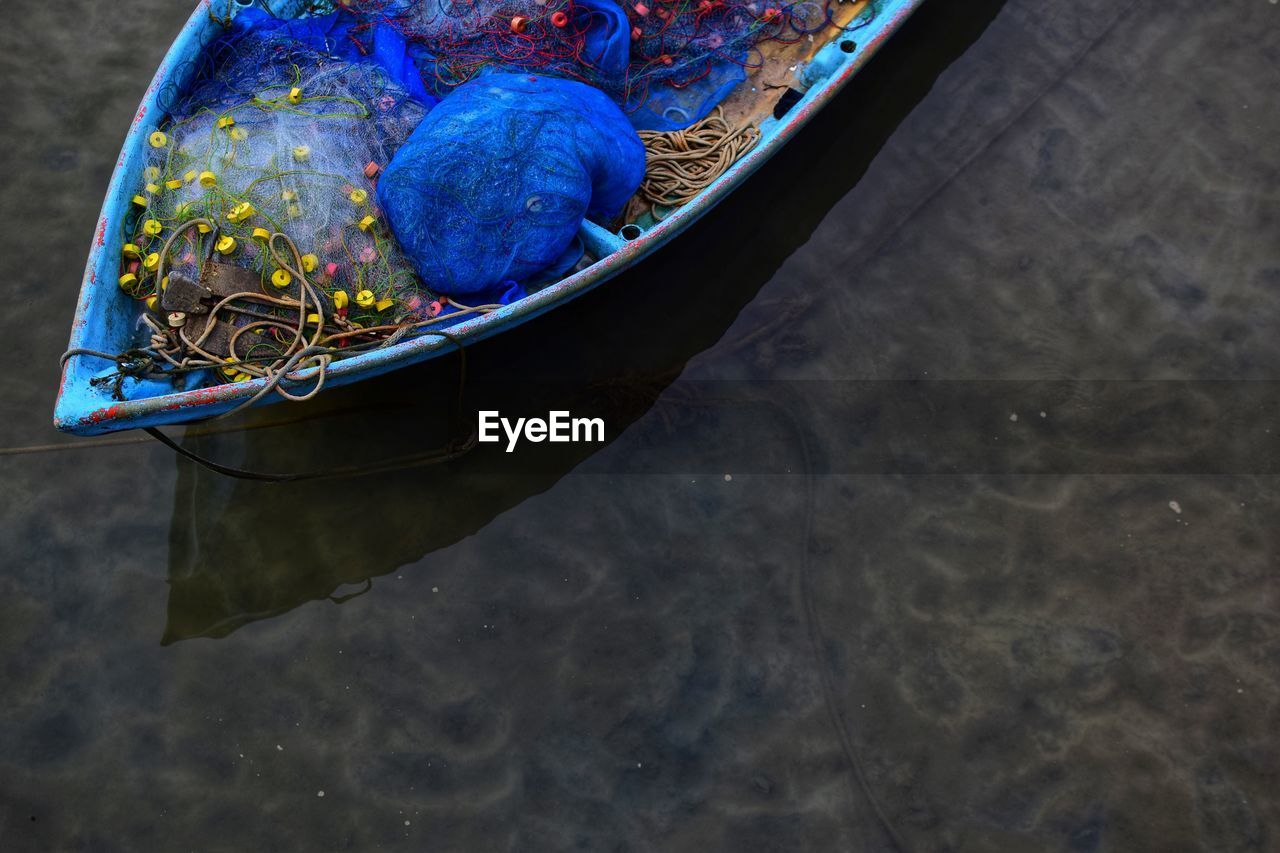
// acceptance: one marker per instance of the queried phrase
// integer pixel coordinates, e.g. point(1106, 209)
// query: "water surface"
point(939, 502)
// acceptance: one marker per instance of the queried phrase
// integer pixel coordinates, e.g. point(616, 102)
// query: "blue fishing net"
point(339, 35)
point(494, 184)
point(668, 64)
point(686, 58)
point(454, 40)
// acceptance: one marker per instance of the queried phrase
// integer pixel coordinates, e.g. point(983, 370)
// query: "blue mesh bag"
point(493, 185)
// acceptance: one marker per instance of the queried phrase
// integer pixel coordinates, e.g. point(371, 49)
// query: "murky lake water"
point(939, 502)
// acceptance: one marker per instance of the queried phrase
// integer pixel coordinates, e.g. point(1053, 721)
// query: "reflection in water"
point(608, 355)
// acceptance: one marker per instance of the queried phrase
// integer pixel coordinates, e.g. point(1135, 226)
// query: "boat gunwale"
point(74, 414)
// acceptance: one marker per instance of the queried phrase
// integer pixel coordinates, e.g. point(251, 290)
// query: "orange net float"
point(519, 24)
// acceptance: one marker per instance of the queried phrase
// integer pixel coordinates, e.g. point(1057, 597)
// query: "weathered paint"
point(104, 317)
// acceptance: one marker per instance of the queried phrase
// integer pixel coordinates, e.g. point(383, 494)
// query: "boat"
point(106, 318)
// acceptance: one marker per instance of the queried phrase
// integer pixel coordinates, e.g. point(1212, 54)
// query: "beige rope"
point(680, 164)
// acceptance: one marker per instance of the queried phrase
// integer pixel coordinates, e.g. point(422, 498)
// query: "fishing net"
point(687, 56)
point(668, 64)
point(276, 138)
point(496, 181)
point(256, 234)
point(454, 40)
point(684, 59)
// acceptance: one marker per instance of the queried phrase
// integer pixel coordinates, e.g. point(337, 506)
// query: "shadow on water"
point(243, 551)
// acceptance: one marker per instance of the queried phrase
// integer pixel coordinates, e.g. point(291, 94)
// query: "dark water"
point(939, 502)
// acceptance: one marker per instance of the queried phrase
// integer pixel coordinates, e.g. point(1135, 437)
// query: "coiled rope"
point(679, 164)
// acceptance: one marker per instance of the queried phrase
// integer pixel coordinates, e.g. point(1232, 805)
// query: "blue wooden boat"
point(105, 319)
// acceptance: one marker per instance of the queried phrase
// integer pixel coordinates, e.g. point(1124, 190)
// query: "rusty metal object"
point(219, 340)
point(223, 280)
point(183, 294)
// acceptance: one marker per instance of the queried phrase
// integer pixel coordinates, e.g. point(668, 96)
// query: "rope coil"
point(680, 164)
